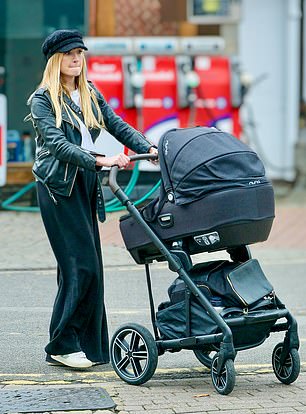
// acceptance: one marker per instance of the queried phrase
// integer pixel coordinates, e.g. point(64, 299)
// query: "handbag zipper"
point(204, 286)
point(240, 297)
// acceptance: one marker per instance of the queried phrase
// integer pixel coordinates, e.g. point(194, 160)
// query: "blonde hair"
point(51, 80)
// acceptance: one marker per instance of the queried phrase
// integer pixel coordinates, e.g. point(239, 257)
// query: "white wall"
point(269, 45)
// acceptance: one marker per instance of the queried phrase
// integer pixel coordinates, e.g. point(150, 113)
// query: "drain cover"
point(31, 400)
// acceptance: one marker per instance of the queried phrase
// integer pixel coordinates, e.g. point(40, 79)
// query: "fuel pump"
point(212, 87)
point(193, 81)
point(137, 82)
point(183, 67)
point(129, 69)
point(136, 96)
point(158, 83)
point(159, 98)
point(157, 65)
point(204, 98)
point(111, 65)
point(213, 104)
point(187, 82)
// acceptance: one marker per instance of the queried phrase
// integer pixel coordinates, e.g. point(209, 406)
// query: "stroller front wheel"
point(224, 382)
point(288, 371)
point(133, 353)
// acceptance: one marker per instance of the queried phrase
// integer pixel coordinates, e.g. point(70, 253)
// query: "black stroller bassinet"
point(214, 195)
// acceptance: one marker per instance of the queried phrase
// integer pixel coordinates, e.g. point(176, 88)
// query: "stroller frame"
point(143, 350)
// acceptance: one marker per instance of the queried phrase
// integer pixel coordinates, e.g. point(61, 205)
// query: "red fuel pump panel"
point(213, 106)
point(107, 74)
point(160, 111)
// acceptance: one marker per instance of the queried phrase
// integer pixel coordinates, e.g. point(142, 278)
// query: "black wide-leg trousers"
point(78, 321)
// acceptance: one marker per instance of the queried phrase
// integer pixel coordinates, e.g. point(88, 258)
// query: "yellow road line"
point(242, 369)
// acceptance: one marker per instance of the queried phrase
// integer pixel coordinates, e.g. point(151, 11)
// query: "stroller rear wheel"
point(133, 353)
point(224, 382)
point(288, 371)
point(204, 357)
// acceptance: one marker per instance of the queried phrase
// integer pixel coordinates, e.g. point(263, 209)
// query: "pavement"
point(24, 246)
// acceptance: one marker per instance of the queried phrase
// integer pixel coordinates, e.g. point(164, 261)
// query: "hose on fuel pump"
point(110, 206)
point(7, 204)
point(192, 82)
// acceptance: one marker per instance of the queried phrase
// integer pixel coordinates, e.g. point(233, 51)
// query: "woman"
point(68, 113)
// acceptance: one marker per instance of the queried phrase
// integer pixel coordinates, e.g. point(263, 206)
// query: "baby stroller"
point(214, 196)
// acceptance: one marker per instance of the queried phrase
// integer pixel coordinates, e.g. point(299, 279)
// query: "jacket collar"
point(93, 131)
point(72, 105)
point(75, 108)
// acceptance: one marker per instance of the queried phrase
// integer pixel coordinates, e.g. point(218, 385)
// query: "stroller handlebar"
point(114, 169)
point(146, 156)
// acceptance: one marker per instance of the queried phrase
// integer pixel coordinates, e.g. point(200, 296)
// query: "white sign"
point(3, 112)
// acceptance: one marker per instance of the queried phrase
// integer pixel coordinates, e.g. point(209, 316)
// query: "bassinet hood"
point(197, 161)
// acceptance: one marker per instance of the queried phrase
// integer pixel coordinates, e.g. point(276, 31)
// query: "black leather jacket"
point(58, 150)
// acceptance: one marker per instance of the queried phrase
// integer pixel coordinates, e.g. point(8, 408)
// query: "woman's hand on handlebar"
point(121, 160)
point(153, 151)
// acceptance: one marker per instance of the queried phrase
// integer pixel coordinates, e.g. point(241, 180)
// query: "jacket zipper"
point(66, 172)
point(73, 181)
point(87, 152)
point(73, 124)
point(240, 297)
point(45, 152)
point(50, 193)
point(48, 189)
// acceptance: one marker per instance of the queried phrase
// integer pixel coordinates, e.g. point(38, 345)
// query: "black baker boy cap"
point(62, 41)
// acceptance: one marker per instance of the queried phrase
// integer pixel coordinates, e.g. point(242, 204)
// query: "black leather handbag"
point(242, 286)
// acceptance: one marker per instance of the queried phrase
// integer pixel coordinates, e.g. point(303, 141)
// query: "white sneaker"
point(75, 360)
